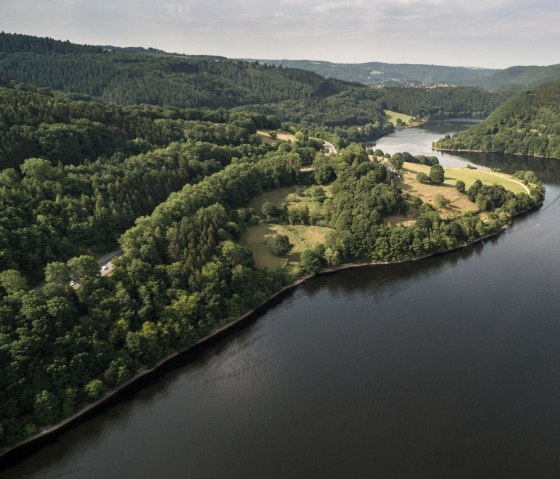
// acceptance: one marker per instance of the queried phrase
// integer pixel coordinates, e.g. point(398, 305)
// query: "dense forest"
point(518, 78)
point(122, 77)
point(133, 76)
point(528, 124)
point(181, 274)
point(62, 129)
point(441, 102)
point(76, 174)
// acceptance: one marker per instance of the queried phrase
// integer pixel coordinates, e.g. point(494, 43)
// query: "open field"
point(393, 116)
point(277, 197)
point(458, 202)
point(469, 176)
point(289, 196)
point(280, 135)
point(259, 239)
point(429, 193)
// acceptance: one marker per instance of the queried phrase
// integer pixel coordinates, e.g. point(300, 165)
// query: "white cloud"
point(178, 8)
point(474, 32)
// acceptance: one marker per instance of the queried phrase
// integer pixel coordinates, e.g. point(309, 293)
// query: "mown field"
point(393, 116)
point(265, 136)
point(259, 238)
point(457, 202)
point(290, 197)
point(445, 198)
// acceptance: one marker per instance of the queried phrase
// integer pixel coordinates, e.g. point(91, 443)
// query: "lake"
point(447, 367)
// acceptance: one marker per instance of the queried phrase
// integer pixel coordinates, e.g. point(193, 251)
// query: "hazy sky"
point(490, 33)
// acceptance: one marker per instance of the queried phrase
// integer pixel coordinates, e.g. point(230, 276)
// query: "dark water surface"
point(444, 368)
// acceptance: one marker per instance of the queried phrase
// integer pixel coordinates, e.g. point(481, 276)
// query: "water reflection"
point(418, 141)
point(382, 281)
point(547, 170)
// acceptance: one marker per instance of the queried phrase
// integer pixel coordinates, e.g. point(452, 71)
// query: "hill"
point(518, 77)
point(441, 102)
point(145, 76)
point(377, 73)
point(129, 76)
point(506, 81)
point(528, 124)
point(133, 76)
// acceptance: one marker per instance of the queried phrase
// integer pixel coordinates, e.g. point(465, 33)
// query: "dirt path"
point(525, 187)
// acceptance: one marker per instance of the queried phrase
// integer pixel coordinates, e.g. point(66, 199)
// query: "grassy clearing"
point(469, 176)
point(404, 220)
point(393, 116)
point(259, 239)
point(289, 196)
point(277, 197)
point(458, 203)
point(280, 135)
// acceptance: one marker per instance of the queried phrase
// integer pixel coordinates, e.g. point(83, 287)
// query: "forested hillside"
point(441, 102)
point(181, 274)
point(76, 174)
point(377, 73)
point(518, 77)
point(133, 76)
point(67, 333)
point(528, 124)
point(128, 78)
point(184, 272)
point(67, 130)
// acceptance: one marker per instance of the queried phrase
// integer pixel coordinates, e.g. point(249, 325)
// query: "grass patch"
point(393, 116)
point(469, 176)
point(259, 240)
point(457, 202)
point(277, 197)
point(289, 196)
point(282, 135)
point(428, 193)
point(403, 220)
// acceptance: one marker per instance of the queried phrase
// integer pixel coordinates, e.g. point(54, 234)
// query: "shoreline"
point(223, 330)
point(451, 150)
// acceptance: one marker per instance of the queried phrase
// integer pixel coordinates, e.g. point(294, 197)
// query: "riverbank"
point(145, 372)
point(451, 150)
point(35, 441)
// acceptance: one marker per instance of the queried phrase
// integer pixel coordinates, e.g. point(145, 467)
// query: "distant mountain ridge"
point(520, 77)
point(377, 73)
point(370, 73)
point(137, 75)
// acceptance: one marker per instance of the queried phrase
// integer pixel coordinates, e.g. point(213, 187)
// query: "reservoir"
point(448, 367)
